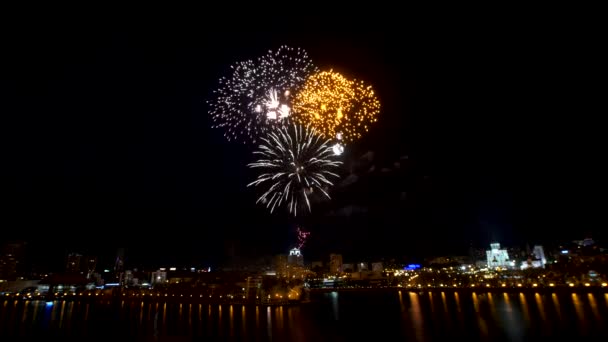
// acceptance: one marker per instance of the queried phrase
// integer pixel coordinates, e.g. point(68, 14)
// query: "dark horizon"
point(108, 144)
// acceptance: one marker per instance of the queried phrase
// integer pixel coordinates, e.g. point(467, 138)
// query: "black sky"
point(106, 143)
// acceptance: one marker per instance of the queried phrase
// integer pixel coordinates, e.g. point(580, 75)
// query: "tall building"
point(253, 286)
point(8, 267)
point(12, 261)
point(497, 257)
point(119, 263)
point(128, 278)
point(335, 263)
point(295, 257)
point(539, 253)
point(73, 263)
point(91, 264)
point(281, 265)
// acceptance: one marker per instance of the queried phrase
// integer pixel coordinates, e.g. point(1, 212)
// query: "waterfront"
point(335, 316)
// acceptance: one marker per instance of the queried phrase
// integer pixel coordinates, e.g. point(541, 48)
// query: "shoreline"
point(110, 299)
point(540, 289)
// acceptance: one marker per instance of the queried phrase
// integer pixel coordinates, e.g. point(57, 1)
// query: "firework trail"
point(302, 237)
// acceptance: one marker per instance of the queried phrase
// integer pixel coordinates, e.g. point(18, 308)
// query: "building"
point(8, 267)
point(281, 265)
point(91, 264)
point(119, 263)
point(317, 264)
point(73, 263)
point(377, 267)
point(537, 261)
point(335, 263)
point(497, 257)
point(442, 260)
point(295, 257)
point(128, 278)
point(362, 266)
point(348, 268)
point(586, 242)
point(477, 254)
point(539, 253)
point(253, 286)
point(12, 261)
point(517, 253)
point(159, 277)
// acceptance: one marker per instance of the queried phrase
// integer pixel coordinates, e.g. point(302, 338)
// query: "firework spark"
point(339, 108)
point(258, 93)
point(302, 237)
point(296, 163)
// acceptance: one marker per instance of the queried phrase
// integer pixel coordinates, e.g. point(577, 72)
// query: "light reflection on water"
point(580, 313)
point(481, 322)
point(556, 306)
point(524, 308)
point(417, 317)
point(333, 316)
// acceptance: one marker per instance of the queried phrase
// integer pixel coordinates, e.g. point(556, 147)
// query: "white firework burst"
point(296, 163)
point(258, 93)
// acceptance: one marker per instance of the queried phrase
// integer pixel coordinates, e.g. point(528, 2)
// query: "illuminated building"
point(335, 263)
point(295, 257)
point(539, 253)
point(586, 242)
point(412, 267)
point(497, 257)
point(291, 265)
point(362, 266)
point(91, 265)
point(281, 265)
point(530, 264)
point(253, 286)
point(159, 277)
point(128, 277)
point(538, 261)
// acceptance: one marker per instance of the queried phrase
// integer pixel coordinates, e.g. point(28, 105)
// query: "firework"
point(302, 236)
point(339, 108)
point(258, 94)
point(297, 164)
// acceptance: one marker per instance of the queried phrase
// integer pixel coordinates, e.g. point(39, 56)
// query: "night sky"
point(106, 143)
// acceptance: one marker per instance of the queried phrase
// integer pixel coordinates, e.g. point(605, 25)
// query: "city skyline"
point(31, 259)
point(109, 145)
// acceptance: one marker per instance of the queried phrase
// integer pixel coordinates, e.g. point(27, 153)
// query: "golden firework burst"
point(337, 107)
